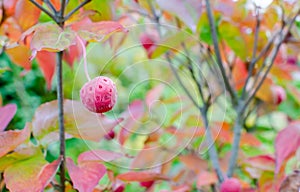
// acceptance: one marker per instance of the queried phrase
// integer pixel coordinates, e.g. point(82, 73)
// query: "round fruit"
point(279, 94)
point(99, 95)
point(231, 185)
point(110, 135)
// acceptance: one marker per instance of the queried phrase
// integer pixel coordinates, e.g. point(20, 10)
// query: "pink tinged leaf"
point(49, 37)
point(30, 174)
point(286, 143)
point(154, 94)
point(141, 176)
point(206, 178)
point(9, 140)
point(99, 155)
point(7, 113)
point(48, 172)
point(46, 61)
point(79, 122)
point(97, 31)
point(86, 175)
point(188, 11)
point(131, 117)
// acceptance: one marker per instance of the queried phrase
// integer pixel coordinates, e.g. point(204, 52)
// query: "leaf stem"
point(84, 58)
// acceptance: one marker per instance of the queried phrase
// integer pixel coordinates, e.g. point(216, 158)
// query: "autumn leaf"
point(79, 122)
point(141, 176)
point(232, 36)
point(19, 55)
point(286, 143)
point(9, 140)
point(206, 178)
point(26, 13)
point(193, 162)
point(188, 11)
point(86, 175)
point(46, 61)
point(99, 155)
point(134, 113)
point(154, 94)
point(97, 31)
point(31, 174)
point(50, 37)
point(7, 113)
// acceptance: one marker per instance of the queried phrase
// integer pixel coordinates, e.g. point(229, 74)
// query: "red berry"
point(110, 135)
point(231, 185)
point(99, 95)
point(147, 184)
point(279, 94)
point(147, 41)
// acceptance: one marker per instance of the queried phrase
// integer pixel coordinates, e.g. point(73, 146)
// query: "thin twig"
point(242, 106)
point(50, 5)
point(273, 57)
point(252, 64)
point(76, 9)
point(218, 54)
point(44, 10)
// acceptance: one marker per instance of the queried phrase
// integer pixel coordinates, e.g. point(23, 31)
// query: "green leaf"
point(232, 36)
point(172, 42)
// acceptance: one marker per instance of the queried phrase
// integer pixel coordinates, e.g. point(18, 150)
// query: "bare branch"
point(252, 64)
point(242, 106)
point(218, 54)
point(44, 10)
point(50, 6)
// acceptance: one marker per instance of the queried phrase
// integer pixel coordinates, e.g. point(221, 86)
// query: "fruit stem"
point(84, 57)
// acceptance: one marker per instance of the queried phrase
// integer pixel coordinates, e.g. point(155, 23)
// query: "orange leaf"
point(26, 13)
point(249, 139)
point(193, 162)
point(141, 176)
point(20, 56)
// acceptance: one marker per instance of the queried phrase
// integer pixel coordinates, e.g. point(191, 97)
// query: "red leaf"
point(206, 178)
point(263, 162)
point(188, 11)
point(286, 143)
point(9, 140)
point(73, 53)
point(97, 31)
point(99, 155)
point(26, 13)
point(142, 176)
point(86, 175)
point(46, 61)
point(7, 113)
